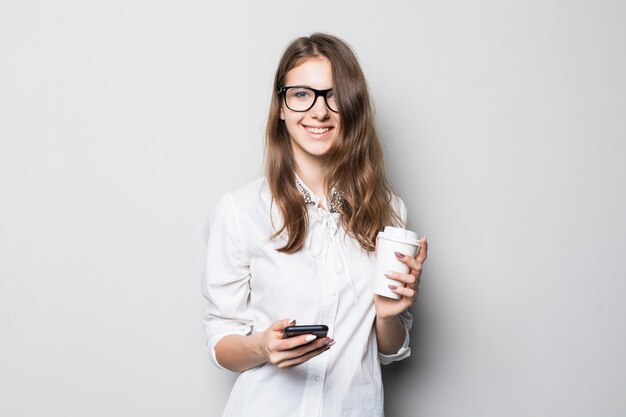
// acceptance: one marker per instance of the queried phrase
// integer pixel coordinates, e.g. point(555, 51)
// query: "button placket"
point(314, 390)
point(330, 299)
point(322, 229)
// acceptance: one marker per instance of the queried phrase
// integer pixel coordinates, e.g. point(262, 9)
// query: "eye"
point(300, 93)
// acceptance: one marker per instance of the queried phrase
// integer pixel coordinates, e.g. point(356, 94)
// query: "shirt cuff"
point(403, 353)
point(213, 341)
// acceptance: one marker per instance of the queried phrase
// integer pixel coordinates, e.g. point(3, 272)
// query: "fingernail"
point(399, 255)
point(389, 274)
point(329, 344)
point(393, 287)
point(310, 337)
point(289, 321)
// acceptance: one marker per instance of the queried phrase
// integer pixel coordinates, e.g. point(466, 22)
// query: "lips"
point(317, 131)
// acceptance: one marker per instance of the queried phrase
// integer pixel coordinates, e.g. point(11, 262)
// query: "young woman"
point(299, 246)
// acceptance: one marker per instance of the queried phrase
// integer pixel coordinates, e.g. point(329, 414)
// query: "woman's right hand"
point(287, 352)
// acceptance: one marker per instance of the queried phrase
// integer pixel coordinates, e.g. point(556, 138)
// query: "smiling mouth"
point(317, 130)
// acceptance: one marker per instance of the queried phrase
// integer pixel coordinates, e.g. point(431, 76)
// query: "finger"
point(284, 355)
point(281, 324)
point(411, 262)
point(421, 255)
point(293, 342)
point(304, 349)
point(303, 358)
point(403, 291)
point(409, 279)
point(422, 251)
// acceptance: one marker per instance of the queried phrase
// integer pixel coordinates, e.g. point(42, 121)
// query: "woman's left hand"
point(389, 307)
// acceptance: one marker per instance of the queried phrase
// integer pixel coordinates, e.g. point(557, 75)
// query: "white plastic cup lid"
point(399, 234)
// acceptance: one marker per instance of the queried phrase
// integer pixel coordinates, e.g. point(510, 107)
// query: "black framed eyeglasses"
point(299, 98)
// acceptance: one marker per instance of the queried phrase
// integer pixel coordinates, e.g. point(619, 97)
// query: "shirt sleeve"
point(401, 210)
point(405, 317)
point(226, 276)
point(405, 351)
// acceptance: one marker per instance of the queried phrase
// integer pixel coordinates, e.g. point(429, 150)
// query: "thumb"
point(281, 324)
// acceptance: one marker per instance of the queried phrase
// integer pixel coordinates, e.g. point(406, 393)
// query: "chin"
point(317, 150)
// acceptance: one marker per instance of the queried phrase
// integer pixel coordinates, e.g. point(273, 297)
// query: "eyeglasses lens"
point(302, 99)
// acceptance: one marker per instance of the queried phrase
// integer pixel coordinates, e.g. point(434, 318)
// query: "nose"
point(319, 109)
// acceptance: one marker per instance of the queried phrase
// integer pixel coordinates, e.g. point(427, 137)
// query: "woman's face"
point(313, 131)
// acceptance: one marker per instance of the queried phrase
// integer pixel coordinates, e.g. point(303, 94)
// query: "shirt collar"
point(311, 199)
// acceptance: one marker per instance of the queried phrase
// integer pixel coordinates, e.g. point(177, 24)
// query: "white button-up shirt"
point(250, 285)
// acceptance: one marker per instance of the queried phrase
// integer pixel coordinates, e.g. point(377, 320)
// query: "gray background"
point(122, 122)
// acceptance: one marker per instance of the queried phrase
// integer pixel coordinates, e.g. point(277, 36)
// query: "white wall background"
point(122, 122)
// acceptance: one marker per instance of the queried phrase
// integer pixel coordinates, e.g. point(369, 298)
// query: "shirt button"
point(316, 378)
point(332, 292)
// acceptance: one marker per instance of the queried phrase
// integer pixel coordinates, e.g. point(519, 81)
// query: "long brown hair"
point(354, 162)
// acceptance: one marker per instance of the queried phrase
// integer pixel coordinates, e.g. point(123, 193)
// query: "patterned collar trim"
point(310, 199)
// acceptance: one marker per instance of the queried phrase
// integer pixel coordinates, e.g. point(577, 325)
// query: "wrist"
point(382, 319)
point(258, 346)
point(390, 334)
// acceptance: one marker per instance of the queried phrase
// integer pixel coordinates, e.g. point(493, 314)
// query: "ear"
point(282, 114)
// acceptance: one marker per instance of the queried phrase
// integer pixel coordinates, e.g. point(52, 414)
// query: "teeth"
point(318, 129)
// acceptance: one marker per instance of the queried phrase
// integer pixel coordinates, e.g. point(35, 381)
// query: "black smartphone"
point(319, 330)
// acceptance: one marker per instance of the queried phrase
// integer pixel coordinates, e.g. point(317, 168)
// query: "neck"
point(313, 173)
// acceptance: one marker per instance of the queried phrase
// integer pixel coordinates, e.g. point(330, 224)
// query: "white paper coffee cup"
point(392, 239)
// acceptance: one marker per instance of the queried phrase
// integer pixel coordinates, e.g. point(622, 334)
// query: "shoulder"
point(249, 191)
point(235, 206)
point(249, 198)
point(399, 207)
point(253, 192)
point(244, 201)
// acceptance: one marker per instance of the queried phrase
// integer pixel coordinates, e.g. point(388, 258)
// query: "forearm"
point(240, 353)
point(390, 334)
